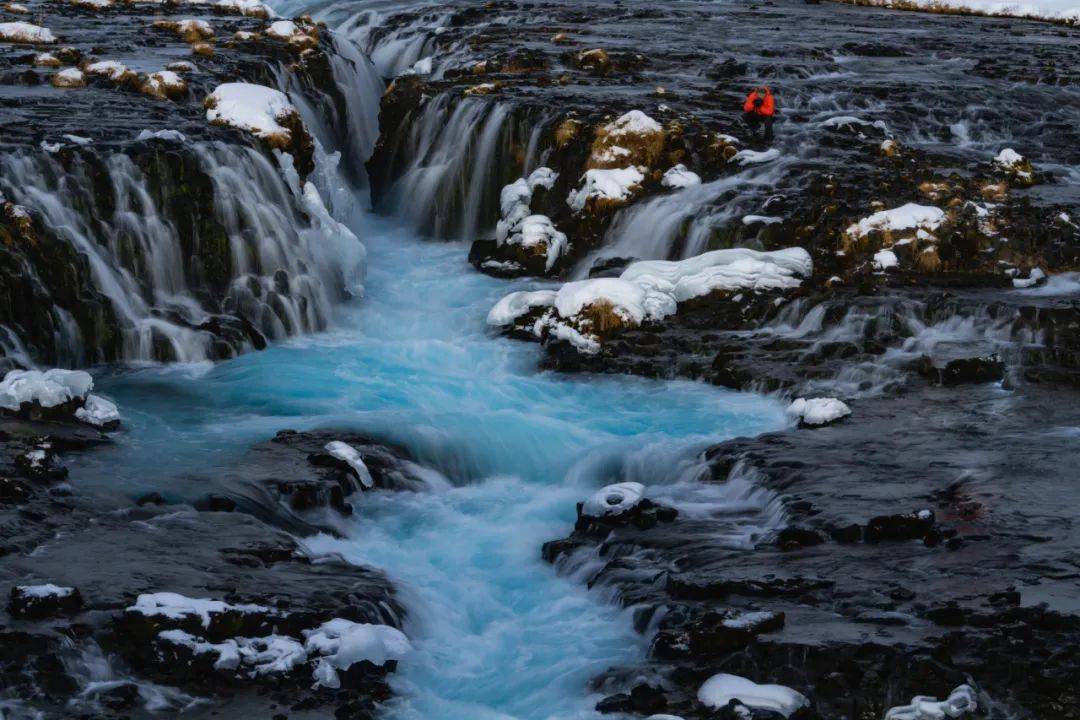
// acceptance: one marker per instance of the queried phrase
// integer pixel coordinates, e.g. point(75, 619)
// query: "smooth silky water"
point(497, 633)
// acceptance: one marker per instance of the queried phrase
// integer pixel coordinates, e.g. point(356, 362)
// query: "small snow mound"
point(721, 689)
point(47, 389)
point(255, 108)
point(961, 701)
point(906, 217)
point(1009, 158)
point(343, 643)
point(885, 259)
point(634, 122)
point(818, 411)
point(247, 8)
point(98, 411)
point(26, 33)
point(46, 590)
point(1035, 277)
point(679, 177)
point(614, 500)
point(351, 457)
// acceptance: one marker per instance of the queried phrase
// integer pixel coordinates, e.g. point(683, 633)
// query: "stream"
point(497, 633)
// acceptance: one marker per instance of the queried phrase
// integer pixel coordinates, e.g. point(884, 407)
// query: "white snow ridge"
point(721, 689)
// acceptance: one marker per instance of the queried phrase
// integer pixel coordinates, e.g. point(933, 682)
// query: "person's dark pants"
point(759, 123)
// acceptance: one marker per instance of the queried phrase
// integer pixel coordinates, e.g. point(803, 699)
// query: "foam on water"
point(497, 633)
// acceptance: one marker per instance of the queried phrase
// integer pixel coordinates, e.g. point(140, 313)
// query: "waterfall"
point(443, 170)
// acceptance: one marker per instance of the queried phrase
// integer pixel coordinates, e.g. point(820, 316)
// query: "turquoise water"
point(497, 633)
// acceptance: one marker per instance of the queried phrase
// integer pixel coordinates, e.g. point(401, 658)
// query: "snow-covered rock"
point(163, 84)
point(605, 189)
point(818, 411)
point(721, 689)
point(613, 500)
point(110, 69)
point(26, 33)
point(299, 35)
point(632, 139)
point(255, 108)
point(351, 456)
point(679, 177)
point(190, 30)
point(961, 701)
point(68, 78)
point(906, 217)
point(340, 644)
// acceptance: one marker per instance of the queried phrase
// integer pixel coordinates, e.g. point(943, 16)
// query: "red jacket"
point(767, 107)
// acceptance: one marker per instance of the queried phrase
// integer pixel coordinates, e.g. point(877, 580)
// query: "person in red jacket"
point(759, 111)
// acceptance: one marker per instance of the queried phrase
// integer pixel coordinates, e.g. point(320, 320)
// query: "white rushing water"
point(497, 633)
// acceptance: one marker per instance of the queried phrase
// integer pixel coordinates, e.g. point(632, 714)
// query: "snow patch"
point(961, 701)
point(614, 500)
point(818, 411)
point(351, 457)
point(25, 33)
point(679, 177)
point(720, 689)
point(46, 590)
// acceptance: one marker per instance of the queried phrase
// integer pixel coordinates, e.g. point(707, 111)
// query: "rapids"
point(497, 633)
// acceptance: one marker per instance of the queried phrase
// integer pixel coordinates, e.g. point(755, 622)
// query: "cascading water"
point(165, 276)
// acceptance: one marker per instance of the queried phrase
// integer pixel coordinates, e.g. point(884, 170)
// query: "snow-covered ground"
point(1057, 10)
